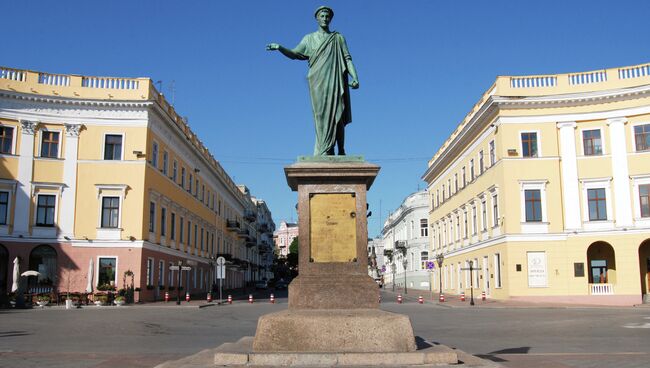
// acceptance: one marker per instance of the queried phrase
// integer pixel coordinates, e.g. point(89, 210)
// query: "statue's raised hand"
point(272, 47)
point(354, 84)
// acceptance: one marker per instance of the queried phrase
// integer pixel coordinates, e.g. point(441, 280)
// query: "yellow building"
point(104, 170)
point(544, 186)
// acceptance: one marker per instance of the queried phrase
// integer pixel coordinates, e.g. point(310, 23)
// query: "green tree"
point(292, 257)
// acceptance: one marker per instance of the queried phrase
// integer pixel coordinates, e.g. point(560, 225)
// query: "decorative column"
point(69, 191)
point(25, 168)
point(620, 172)
point(570, 190)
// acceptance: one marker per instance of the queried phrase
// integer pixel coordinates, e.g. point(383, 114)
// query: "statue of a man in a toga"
point(330, 64)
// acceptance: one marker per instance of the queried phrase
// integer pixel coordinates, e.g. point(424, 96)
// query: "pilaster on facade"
point(68, 196)
point(570, 190)
point(620, 172)
point(25, 168)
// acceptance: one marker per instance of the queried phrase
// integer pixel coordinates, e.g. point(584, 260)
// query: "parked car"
point(280, 285)
point(261, 285)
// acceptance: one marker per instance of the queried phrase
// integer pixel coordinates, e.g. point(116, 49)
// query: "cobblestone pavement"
point(149, 334)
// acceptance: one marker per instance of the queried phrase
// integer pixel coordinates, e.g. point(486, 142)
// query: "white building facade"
point(405, 240)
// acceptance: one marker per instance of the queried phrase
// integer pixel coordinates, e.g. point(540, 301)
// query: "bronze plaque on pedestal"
point(333, 227)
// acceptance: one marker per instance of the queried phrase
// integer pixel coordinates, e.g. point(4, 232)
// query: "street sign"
point(185, 268)
point(173, 268)
point(221, 272)
point(221, 261)
point(383, 268)
point(430, 265)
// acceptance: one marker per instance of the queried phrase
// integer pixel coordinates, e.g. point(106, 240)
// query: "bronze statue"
point(330, 64)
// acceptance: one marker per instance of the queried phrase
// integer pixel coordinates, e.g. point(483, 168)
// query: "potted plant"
point(101, 299)
point(43, 300)
point(119, 300)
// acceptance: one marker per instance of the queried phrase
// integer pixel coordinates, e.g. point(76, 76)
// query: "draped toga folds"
point(328, 85)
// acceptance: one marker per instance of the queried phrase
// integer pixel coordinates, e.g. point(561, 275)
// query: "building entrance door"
point(486, 276)
point(599, 271)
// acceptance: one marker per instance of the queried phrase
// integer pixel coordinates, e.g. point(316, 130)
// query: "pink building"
point(283, 237)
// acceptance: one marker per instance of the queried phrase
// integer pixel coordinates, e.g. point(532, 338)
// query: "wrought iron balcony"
point(232, 224)
point(249, 216)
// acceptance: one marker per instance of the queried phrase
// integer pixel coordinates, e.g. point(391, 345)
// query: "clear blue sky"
point(422, 65)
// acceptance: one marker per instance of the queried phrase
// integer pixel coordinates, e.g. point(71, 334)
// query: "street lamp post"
point(471, 283)
point(440, 258)
point(393, 268)
point(405, 263)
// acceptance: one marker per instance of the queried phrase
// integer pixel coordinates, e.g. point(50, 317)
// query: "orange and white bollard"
point(187, 297)
point(209, 298)
point(420, 299)
point(483, 295)
point(442, 298)
point(379, 298)
point(462, 296)
point(166, 296)
point(272, 299)
point(399, 298)
point(250, 298)
point(229, 299)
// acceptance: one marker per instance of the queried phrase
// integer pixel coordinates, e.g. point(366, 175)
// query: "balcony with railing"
point(601, 289)
point(249, 215)
point(232, 224)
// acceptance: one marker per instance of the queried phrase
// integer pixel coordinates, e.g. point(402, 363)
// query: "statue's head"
point(324, 13)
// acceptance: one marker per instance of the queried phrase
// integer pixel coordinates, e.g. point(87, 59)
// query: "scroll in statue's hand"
point(272, 46)
point(354, 84)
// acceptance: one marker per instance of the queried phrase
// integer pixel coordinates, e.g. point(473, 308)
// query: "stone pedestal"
point(333, 303)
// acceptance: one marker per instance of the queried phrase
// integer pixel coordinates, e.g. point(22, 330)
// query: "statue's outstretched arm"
point(291, 54)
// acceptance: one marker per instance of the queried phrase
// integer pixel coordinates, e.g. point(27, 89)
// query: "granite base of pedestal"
point(337, 291)
point(337, 331)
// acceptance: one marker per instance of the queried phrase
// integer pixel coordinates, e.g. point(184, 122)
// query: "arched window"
point(43, 260)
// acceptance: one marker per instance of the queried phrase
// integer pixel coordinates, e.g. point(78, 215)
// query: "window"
point(182, 177)
point(165, 162)
point(495, 210)
point(644, 200)
point(484, 214)
point(45, 210)
point(106, 271)
point(163, 221)
point(201, 238)
point(196, 188)
point(161, 272)
point(471, 170)
point(196, 233)
point(448, 188)
point(464, 177)
point(642, 137)
point(465, 228)
point(172, 224)
point(481, 162)
point(6, 139)
point(497, 270)
point(149, 271)
point(424, 227)
point(110, 212)
point(493, 155)
point(170, 281)
point(189, 234)
point(598, 273)
point(437, 197)
point(591, 142)
point(50, 144)
point(529, 144)
point(152, 217)
point(4, 207)
point(191, 180)
point(443, 193)
point(112, 147)
point(456, 182)
point(175, 171)
point(180, 230)
point(533, 205)
point(474, 222)
point(154, 155)
point(597, 204)
point(203, 193)
point(457, 227)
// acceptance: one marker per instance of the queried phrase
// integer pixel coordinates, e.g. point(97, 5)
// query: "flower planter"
point(119, 303)
point(42, 303)
point(99, 303)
